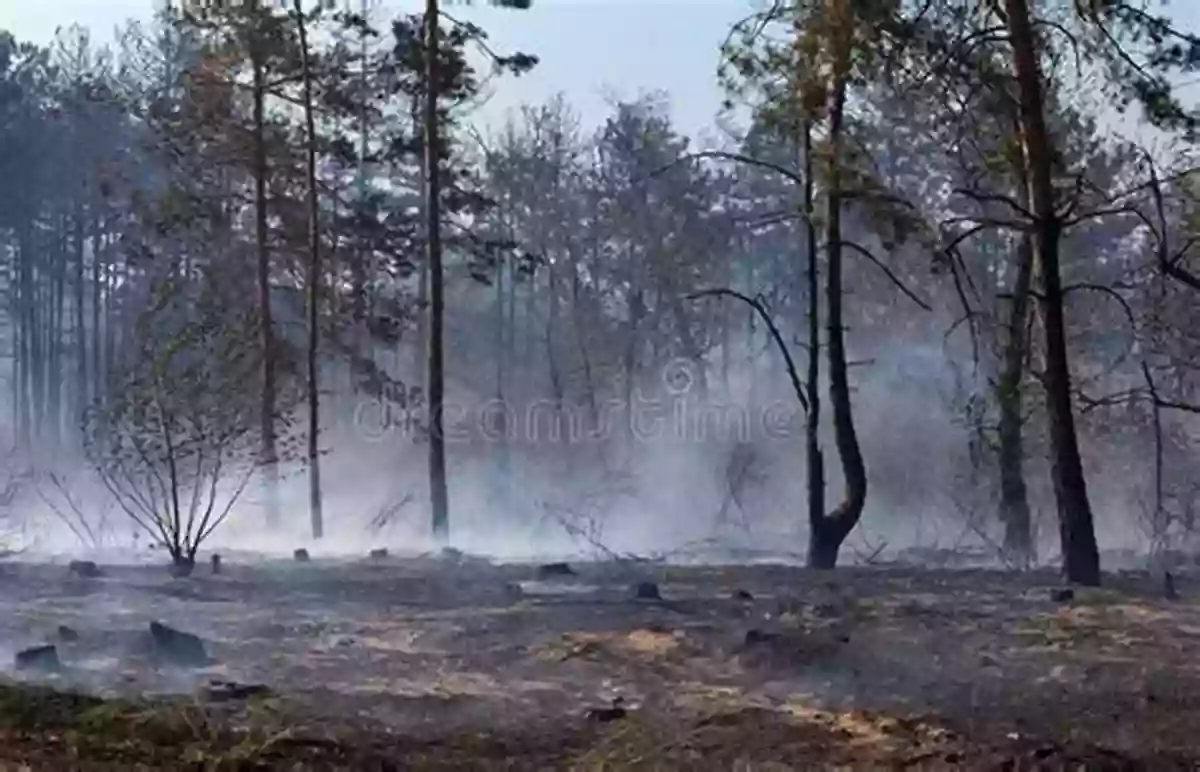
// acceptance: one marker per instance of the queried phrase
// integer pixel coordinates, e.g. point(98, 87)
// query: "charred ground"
point(458, 663)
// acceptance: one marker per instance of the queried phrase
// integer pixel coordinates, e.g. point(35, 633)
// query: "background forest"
point(921, 293)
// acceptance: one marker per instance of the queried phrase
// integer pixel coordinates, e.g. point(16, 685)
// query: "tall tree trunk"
point(829, 531)
point(637, 311)
point(25, 327)
point(358, 270)
point(529, 334)
point(81, 352)
point(752, 387)
point(55, 374)
point(110, 319)
point(270, 460)
point(513, 381)
point(589, 381)
point(499, 339)
point(1014, 496)
point(563, 428)
point(314, 290)
point(37, 337)
point(362, 264)
point(726, 335)
point(814, 458)
point(1081, 558)
point(422, 344)
point(504, 333)
point(31, 346)
point(13, 317)
point(99, 248)
point(439, 494)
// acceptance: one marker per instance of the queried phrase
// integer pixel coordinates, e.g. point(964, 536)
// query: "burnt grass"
point(428, 663)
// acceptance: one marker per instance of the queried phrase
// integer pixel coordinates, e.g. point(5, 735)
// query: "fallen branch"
point(384, 517)
point(871, 556)
point(563, 516)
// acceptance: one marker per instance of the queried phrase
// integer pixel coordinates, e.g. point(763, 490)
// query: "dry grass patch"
point(638, 644)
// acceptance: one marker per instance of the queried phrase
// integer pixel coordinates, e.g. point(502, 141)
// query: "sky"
point(594, 51)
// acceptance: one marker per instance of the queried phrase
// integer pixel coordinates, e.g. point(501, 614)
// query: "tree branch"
point(861, 250)
point(758, 307)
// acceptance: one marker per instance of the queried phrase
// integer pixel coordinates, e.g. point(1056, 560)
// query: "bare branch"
point(860, 250)
point(783, 171)
point(761, 310)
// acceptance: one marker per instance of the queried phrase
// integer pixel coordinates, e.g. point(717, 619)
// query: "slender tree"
point(432, 129)
point(314, 284)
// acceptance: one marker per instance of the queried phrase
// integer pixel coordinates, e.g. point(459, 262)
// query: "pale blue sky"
point(590, 49)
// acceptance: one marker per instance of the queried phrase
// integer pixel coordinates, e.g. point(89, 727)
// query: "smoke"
point(672, 473)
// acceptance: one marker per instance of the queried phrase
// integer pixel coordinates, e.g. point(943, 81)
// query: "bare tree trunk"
point(637, 311)
point(829, 531)
point(270, 459)
point(81, 368)
point(1081, 559)
point(54, 375)
point(24, 294)
point(358, 269)
point(438, 489)
point(752, 387)
point(422, 344)
point(589, 382)
point(504, 333)
point(814, 457)
point(513, 381)
point(726, 335)
point(110, 321)
point(1014, 497)
point(556, 382)
point(99, 247)
point(528, 332)
point(501, 352)
point(37, 336)
point(314, 294)
point(14, 337)
point(28, 327)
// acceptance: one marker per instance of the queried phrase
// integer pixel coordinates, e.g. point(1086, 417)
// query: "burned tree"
point(804, 85)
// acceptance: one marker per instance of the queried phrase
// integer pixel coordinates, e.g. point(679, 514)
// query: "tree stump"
point(646, 591)
point(40, 658)
point(551, 570)
point(225, 691)
point(176, 647)
point(86, 569)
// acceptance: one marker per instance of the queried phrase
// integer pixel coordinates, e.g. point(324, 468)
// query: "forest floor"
point(459, 664)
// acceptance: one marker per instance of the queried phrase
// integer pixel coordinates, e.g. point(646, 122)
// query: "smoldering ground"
point(445, 646)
